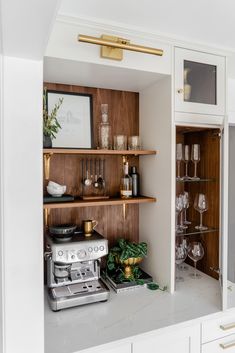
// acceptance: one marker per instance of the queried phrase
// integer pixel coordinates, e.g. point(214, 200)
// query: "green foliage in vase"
point(125, 250)
point(51, 125)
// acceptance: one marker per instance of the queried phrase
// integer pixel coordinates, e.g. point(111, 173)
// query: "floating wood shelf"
point(97, 152)
point(107, 202)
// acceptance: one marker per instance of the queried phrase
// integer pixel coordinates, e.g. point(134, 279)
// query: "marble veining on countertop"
point(129, 313)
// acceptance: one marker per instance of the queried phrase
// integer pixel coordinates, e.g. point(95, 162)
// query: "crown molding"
point(111, 27)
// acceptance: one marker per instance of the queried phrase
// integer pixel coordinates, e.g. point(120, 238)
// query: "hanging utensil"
point(100, 179)
point(87, 181)
point(91, 170)
point(103, 173)
point(96, 184)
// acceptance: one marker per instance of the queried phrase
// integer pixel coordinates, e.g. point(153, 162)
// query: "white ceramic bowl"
point(56, 192)
point(54, 185)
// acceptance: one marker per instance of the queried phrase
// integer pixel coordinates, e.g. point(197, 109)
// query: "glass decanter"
point(105, 129)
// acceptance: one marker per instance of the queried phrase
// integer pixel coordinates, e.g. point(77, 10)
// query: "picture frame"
point(75, 117)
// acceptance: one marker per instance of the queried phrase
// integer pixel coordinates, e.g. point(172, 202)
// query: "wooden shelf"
point(97, 152)
point(107, 202)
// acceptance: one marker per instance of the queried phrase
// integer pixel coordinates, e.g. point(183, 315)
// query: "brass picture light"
point(112, 47)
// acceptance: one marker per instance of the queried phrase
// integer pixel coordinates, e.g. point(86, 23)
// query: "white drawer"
point(225, 344)
point(217, 328)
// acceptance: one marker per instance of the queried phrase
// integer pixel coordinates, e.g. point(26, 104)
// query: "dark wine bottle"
point(135, 182)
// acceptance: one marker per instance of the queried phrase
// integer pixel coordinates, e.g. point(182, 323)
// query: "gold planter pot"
point(128, 263)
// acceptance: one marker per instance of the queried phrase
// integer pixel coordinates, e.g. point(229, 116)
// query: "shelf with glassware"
point(77, 182)
point(197, 202)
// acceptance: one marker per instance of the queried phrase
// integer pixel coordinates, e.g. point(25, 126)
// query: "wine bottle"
point(135, 182)
point(126, 183)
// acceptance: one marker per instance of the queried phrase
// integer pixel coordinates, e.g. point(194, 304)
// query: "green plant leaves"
point(51, 125)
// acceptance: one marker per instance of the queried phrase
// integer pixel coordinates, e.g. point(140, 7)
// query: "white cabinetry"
point(218, 346)
point(185, 340)
point(219, 334)
point(199, 82)
point(218, 328)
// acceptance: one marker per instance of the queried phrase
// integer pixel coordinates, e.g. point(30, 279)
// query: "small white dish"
point(55, 190)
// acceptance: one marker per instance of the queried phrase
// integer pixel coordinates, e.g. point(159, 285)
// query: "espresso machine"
point(73, 270)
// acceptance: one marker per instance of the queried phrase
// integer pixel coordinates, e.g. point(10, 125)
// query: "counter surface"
point(129, 313)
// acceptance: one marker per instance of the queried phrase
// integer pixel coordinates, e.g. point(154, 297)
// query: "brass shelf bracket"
point(46, 216)
point(47, 160)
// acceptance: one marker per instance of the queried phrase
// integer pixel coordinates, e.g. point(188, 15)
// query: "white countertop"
point(128, 314)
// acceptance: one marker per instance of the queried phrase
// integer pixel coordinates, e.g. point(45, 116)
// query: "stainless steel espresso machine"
point(73, 270)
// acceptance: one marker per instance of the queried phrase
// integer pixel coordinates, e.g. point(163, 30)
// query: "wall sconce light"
point(112, 47)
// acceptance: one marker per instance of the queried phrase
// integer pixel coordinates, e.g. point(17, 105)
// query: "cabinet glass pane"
point(199, 83)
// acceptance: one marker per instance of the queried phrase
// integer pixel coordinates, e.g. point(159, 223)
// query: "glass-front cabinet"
point(199, 82)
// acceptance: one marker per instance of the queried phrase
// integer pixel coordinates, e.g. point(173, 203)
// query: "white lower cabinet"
point(183, 340)
point(225, 344)
point(217, 328)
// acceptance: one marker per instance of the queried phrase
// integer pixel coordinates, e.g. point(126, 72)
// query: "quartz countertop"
point(128, 314)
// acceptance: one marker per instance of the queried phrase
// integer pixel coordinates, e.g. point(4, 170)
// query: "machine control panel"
point(70, 252)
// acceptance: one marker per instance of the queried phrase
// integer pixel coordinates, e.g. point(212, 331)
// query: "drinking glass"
point(186, 204)
point(180, 256)
point(178, 210)
point(134, 143)
point(183, 241)
point(195, 253)
point(120, 142)
point(179, 158)
point(186, 159)
point(195, 158)
point(201, 205)
point(185, 244)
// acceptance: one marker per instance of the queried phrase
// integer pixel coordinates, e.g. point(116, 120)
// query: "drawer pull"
point(227, 345)
point(227, 326)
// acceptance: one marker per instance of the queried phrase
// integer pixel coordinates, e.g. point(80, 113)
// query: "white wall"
point(1, 218)
point(63, 44)
point(231, 101)
point(22, 231)
point(156, 173)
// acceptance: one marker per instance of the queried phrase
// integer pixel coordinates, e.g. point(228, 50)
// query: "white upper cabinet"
point(199, 82)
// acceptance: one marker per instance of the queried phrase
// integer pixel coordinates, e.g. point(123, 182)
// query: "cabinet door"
point(199, 82)
point(185, 340)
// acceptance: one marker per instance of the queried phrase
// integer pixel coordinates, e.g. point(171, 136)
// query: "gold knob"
point(180, 90)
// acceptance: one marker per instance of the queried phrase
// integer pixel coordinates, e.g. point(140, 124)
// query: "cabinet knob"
point(180, 90)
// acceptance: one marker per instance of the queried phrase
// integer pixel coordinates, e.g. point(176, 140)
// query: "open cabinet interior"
point(208, 184)
point(70, 169)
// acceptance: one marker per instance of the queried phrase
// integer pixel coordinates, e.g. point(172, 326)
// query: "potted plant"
point(51, 125)
point(124, 259)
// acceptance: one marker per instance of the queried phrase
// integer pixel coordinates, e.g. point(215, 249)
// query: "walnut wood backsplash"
point(66, 169)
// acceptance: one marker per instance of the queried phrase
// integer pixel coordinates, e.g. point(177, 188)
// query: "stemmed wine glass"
point(195, 253)
point(186, 158)
point(185, 201)
point(195, 158)
point(179, 158)
point(180, 256)
point(186, 204)
point(178, 210)
point(183, 241)
point(201, 205)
